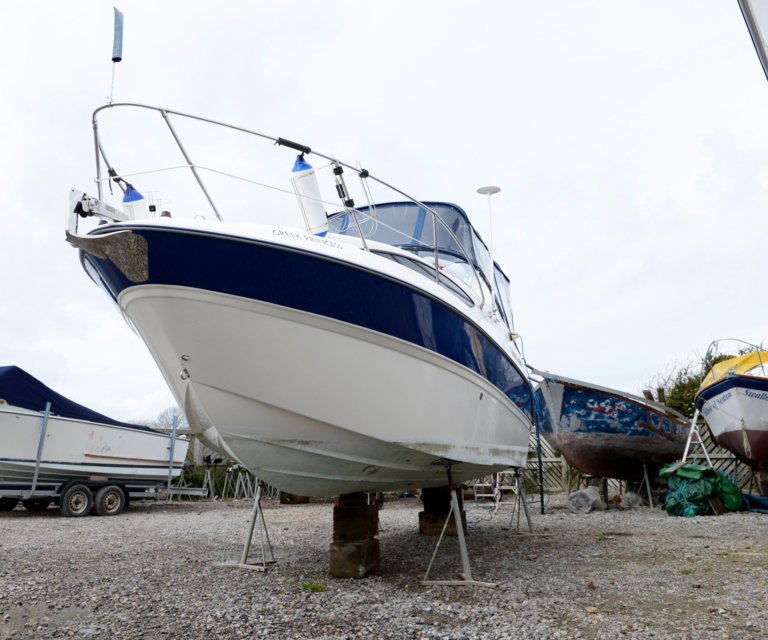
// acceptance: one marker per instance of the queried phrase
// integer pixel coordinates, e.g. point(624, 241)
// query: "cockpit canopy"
point(409, 226)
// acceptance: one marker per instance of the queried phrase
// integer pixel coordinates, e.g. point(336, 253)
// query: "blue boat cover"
point(20, 389)
point(758, 504)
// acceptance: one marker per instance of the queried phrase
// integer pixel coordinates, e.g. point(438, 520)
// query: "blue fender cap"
point(300, 164)
point(131, 195)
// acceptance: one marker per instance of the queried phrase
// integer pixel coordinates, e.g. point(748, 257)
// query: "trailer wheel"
point(36, 504)
point(8, 504)
point(110, 500)
point(76, 501)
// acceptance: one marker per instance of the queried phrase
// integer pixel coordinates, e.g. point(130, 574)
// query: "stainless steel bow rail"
point(336, 165)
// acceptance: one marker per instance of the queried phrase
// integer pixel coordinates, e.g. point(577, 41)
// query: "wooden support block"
point(354, 551)
point(289, 498)
point(355, 523)
point(437, 504)
point(431, 524)
point(354, 559)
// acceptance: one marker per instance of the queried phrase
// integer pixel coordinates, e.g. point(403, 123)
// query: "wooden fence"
point(556, 469)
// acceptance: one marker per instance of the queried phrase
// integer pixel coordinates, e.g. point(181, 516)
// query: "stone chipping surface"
point(153, 572)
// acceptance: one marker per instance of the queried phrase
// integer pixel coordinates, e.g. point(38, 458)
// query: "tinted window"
point(428, 271)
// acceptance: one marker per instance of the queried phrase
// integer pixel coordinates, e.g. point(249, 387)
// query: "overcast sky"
point(629, 139)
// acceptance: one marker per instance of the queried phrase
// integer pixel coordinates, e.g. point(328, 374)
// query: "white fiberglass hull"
point(316, 406)
point(736, 411)
point(81, 449)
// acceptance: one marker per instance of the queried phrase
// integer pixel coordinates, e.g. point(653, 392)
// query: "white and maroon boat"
point(733, 399)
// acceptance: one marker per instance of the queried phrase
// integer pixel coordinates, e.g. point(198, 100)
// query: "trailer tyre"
point(76, 501)
point(36, 504)
point(8, 504)
point(110, 500)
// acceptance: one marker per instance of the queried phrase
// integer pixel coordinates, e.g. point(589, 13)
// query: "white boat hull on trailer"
point(326, 364)
point(81, 449)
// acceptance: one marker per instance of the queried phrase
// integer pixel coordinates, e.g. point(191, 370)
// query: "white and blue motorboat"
point(357, 351)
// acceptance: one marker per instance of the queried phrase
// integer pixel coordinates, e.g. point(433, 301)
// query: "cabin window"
point(427, 270)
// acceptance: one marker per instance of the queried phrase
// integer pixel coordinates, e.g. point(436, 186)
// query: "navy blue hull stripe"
point(316, 284)
point(758, 384)
point(88, 464)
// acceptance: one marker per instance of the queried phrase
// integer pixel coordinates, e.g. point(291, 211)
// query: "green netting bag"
point(697, 490)
point(689, 498)
point(674, 503)
point(728, 492)
point(674, 482)
point(690, 470)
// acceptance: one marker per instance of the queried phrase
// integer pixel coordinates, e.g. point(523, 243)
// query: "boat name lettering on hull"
point(307, 237)
point(716, 403)
point(724, 398)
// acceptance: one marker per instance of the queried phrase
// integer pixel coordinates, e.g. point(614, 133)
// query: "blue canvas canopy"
point(20, 389)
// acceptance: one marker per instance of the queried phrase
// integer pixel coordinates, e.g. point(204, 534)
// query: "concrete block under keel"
point(354, 551)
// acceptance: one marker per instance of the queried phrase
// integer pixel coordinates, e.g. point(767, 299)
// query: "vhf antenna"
point(489, 191)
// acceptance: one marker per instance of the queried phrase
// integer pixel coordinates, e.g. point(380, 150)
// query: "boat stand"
point(257, 515)
point(647, 482)
point(520, 500)
point(465, 578)
point(209, 484)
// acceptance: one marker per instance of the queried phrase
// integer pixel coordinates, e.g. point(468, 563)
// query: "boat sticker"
point(298, 235)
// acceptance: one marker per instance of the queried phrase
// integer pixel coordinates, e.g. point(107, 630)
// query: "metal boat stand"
point(520, 500)
point(647, 482)
point(465, 576)
point(209, 484)
point(257, 515)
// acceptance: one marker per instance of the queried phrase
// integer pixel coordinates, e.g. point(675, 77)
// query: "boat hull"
point(609, 434)
point(321, 377)
point(81, 449)
point(318, 407)
point(736, 412)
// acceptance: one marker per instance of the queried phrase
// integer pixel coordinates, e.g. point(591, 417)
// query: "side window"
point(429, 272)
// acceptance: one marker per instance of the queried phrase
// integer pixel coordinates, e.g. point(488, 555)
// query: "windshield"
point(502, 289)
point(410, 226)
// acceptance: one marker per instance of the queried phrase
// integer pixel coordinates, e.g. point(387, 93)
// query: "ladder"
point(694, 438)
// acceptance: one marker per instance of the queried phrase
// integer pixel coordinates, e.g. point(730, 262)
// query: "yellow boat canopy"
point(737, 365)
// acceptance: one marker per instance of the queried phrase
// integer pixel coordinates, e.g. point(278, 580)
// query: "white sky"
point(630, 140)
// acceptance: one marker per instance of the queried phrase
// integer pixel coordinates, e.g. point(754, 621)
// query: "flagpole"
point(112, 89)
point(117, 49)
point(754, 31)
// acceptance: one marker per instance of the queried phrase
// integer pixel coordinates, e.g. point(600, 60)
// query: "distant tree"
point(682, 381)
point(164, 420)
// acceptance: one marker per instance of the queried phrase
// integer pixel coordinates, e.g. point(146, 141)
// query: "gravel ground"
point(152, 573)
